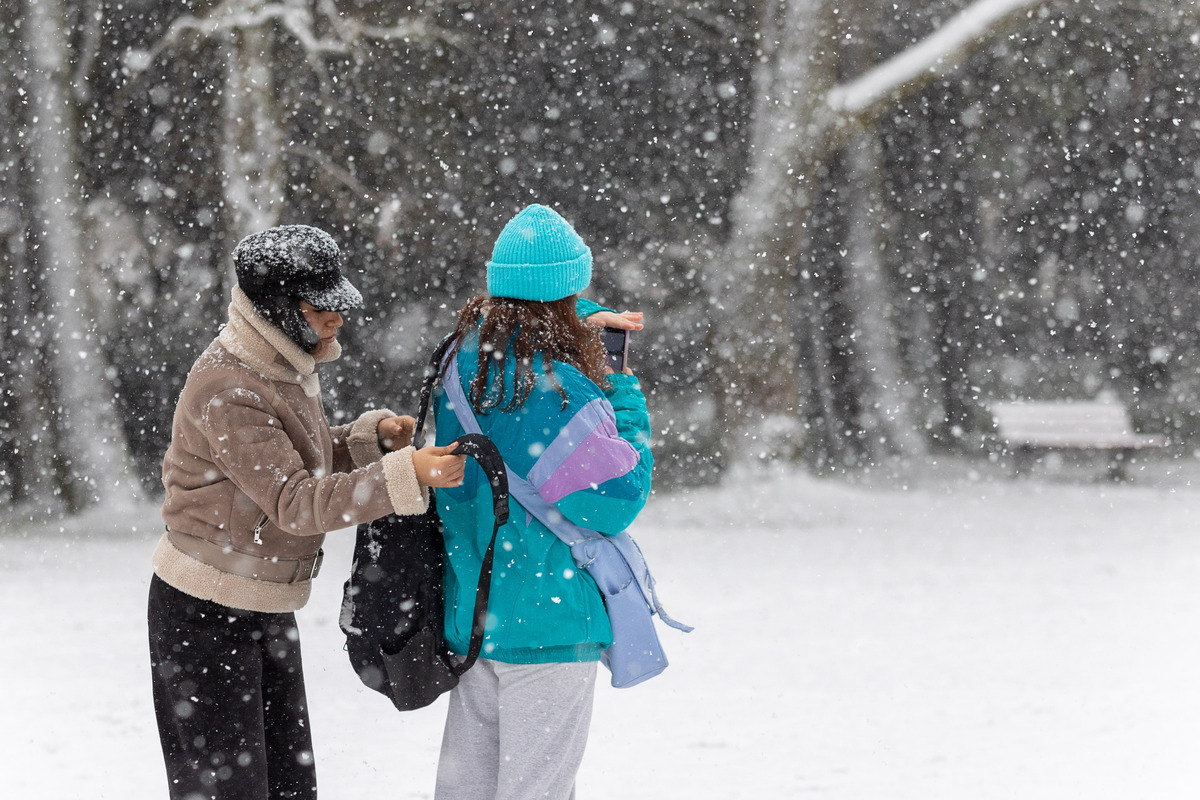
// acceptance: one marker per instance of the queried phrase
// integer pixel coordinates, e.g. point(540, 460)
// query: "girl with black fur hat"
point(255, 477)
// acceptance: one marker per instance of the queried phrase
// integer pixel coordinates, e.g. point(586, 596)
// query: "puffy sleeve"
point(357, 444)
point(597, 469)
point(251, 448)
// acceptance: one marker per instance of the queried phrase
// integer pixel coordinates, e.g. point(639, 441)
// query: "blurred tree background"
point(1016, 221)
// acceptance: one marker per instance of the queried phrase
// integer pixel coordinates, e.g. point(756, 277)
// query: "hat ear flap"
point(252, 278)
point(284, 313)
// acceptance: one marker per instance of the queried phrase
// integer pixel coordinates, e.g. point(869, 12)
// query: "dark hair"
point(528, 327)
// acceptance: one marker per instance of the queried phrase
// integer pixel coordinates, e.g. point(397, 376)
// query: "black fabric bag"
point(392, 603)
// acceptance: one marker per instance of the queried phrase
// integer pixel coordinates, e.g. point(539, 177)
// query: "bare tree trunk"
point(799, 116)
point(887, 396)
point(98, 465)
point(758, 368)
point(251, 152)
point(25, 440)
point(824, 445)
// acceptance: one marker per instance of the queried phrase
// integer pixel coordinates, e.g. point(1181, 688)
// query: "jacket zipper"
point(262, 523)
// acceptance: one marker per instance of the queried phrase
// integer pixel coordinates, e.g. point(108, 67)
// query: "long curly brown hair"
point(526, 327)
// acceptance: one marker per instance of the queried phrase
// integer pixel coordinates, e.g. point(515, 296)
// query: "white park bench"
point(1028, 427)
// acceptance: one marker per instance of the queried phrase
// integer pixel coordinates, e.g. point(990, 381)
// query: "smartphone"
point(616, 344)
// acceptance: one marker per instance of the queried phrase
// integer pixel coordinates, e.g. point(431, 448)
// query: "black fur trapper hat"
point(279, 267)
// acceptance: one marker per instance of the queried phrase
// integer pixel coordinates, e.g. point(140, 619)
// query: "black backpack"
point(392, 603)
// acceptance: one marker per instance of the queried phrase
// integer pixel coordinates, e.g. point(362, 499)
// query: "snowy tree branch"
point(91, 20)
point(230, 16)
point(339, 174)
point(929, 59)
point(296, 19)
point(417, 28)
point(718, 24)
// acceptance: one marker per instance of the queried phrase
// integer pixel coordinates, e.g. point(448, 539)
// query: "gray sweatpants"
point(516, 731)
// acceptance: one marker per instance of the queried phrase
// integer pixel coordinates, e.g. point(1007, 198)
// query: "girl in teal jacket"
point(536, 379)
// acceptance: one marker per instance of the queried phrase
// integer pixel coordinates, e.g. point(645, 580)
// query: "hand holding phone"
point(616, 345)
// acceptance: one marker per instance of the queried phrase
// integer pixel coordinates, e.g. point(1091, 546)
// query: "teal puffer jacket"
point(592, 460)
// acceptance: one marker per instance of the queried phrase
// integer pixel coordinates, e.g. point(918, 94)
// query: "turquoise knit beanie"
point(538, 256)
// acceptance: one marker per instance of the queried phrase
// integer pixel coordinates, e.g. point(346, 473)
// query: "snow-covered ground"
point(959, 638)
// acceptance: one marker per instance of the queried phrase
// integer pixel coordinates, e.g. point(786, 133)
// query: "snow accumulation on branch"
point(715, 23)
point(928, 58)
point(297, 20)
point(231, 16)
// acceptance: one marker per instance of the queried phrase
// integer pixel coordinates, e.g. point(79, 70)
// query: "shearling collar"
point(263, 347)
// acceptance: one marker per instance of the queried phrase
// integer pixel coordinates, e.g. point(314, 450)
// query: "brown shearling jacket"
point(254, 468)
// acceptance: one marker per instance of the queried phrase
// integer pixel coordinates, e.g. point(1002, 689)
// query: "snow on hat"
point(538, 256)
point(295, 261)
point(279, 267)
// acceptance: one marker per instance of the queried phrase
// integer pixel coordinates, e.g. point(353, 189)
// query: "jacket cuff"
point(584, 308)
point(407, 496)
point(364, 437)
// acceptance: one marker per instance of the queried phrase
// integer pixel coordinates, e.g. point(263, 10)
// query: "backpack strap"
point(432, 371)
point(481, 448)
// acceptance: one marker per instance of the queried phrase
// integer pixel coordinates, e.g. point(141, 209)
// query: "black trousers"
point(229, 697)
